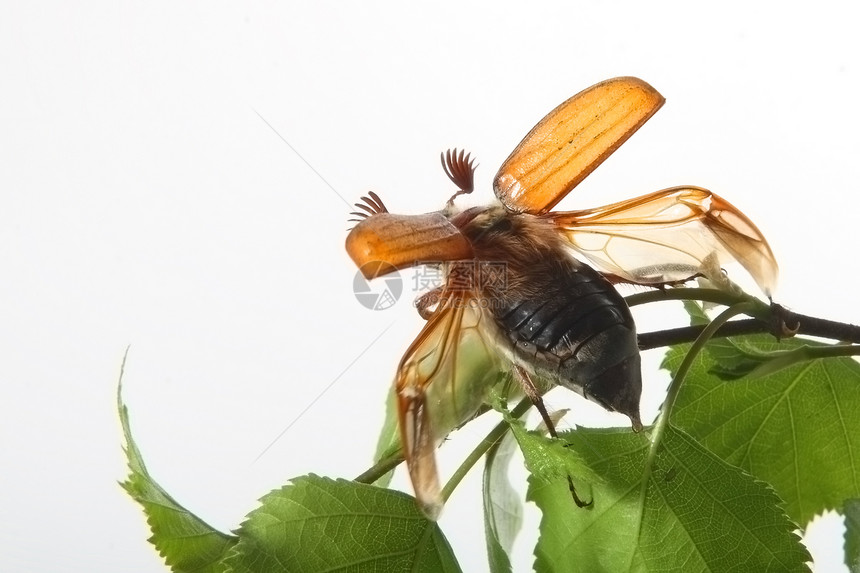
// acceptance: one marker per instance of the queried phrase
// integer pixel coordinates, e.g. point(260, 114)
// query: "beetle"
point(516, 303)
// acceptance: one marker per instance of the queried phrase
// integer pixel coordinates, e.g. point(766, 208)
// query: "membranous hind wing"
point(669, 236)
point(447, 372)
point(571, 141)
point(443, 379)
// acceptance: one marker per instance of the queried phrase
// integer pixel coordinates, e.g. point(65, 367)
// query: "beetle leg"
point(532, 392)
point(428, 300)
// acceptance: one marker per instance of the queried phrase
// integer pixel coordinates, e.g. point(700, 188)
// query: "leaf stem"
point(836, 350)
point(381, 468)
point(716, 296)
point(774, 361)
point(388, 463)
point(488, 442)
point(675, 386)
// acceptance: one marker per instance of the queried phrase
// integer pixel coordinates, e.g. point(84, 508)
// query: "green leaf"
point(320, 524)
point(734, 359)
point(503, 508)
point(685, 511)
point(797, 428)
point(185, 541)
point(852, 534)
point(696, 312)
point(741, 357)
point(548, 458)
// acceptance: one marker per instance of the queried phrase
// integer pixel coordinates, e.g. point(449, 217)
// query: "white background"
point(145, 203)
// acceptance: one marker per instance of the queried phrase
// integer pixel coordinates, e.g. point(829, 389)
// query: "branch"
point(774, 319)
point(672, 336)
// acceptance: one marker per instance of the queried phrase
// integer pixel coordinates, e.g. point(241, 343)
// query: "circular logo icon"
point(381, 293)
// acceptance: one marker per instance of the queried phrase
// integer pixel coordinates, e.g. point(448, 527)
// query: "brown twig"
point(782, 323)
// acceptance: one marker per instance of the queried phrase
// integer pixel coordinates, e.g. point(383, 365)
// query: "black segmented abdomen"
point(579, 333)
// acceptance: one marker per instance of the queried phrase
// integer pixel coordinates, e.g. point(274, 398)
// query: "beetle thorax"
point(520, 251)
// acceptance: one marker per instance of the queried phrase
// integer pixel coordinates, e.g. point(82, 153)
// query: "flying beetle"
point(515, 299)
